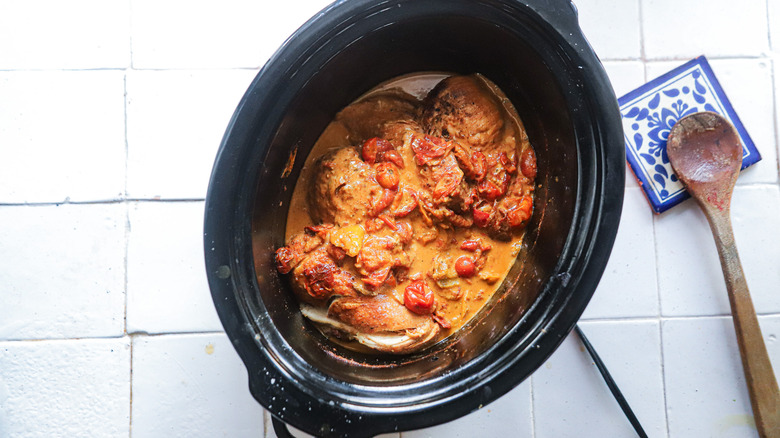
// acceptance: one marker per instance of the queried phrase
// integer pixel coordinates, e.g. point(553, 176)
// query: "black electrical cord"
point(611, 384)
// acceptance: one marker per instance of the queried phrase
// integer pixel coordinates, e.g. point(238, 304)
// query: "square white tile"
point(191, 386)
point(175, 123)
point(72, 388)
point(63, 272)
point(684, 29)
point(628, 287)
point(508, 416)
point(167, 290)
point(747, 83)
point(571, 398)
point(611, 27)
point(62, 135)
point(237, 34)
point(51, 34)
point(706, 392)
point(625, 75)
point(690, 277)
point(773, 16)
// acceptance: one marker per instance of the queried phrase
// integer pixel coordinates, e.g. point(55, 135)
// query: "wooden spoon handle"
point(761, 382)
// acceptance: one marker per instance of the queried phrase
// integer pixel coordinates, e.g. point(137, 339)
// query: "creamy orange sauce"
point(458, 304)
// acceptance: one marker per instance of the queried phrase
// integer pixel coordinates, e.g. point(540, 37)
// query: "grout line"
point(130, 30)
point(123, 335)
point(127, 207)
point(639, 319)
point(642, 54)
point(768, 27)
point(775, 113)
point(154, 335)
point(49, 70)
point(97, 202)
point(130, 417)
point(663, 376)
point(130, 67)
point(660, 321)
point(533, 404)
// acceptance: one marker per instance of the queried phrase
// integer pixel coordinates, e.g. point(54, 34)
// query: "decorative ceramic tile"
point(650, 111)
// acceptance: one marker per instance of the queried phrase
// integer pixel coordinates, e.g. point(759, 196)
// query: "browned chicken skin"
point(447, 162)
point(366, 118)
point(464, 109)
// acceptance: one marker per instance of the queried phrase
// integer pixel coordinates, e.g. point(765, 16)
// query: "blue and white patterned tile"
point(650, 111)
point(749, 84)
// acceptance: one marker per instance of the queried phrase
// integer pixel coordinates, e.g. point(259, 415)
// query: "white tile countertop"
point(110, 116)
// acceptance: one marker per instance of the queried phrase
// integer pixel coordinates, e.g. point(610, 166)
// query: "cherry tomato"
point(405, 202)
point(519, 215)
point(285, 259)
point(471, 245)
point(447, 184)
point(478, 166)
point(382, 201)
point(481, 214)
point(464, 266)
point(418, 297)
point(507, 162)
point(387, 176)
point(427, 148)
point(372, 147)
point(404, 231)
point(528, 163)
point(495, 184)
point(391, 156)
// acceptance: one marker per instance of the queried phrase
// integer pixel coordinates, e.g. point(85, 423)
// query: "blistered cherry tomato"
point(471, 245)
point(507, 162)
point(481, 215)
point(426, 148)
point(387, 176)
point(418, 297)
point(478, 166)
point(372, 147)
point(464, 266)
point(528, 163)
point(391, 156)
point(381, 201)
point(519, 215)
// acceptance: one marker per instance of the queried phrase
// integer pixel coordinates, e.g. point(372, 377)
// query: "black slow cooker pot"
point(535, 52)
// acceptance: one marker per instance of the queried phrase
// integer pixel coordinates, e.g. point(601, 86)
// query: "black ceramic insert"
point(535, 52)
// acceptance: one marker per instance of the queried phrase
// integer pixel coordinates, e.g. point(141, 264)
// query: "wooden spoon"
point(706, 154)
